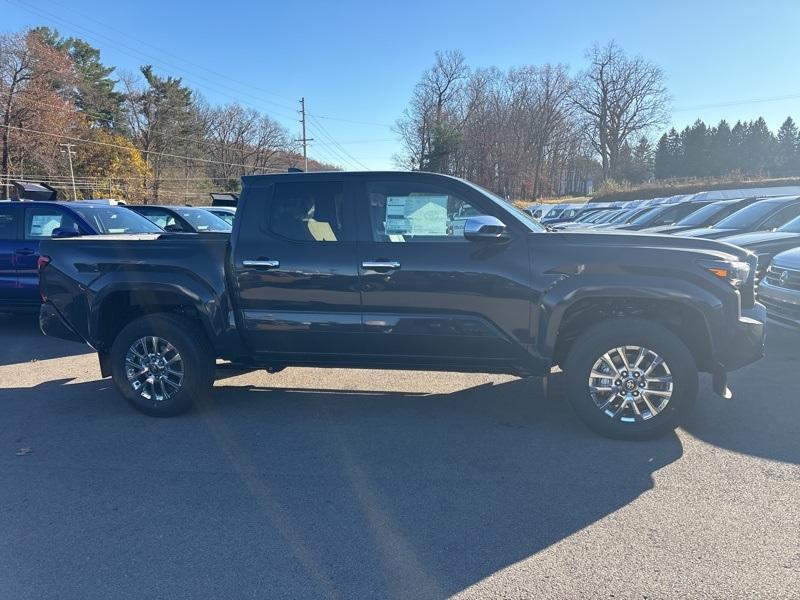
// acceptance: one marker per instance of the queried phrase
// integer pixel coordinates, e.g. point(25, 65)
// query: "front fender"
point(564, 294)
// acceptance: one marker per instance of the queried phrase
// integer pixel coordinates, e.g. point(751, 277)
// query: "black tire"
point(618, 332)
point(196, 357)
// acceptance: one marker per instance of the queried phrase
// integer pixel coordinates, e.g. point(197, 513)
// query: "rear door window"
point(41, 221)
point(311, 212)
point(160, 217)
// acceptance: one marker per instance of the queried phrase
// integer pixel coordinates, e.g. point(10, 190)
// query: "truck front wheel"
point(629, 378)
point(162, 364)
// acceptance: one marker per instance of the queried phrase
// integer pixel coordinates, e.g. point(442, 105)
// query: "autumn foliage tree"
point(34, 111)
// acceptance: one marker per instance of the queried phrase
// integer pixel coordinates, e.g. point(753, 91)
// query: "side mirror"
point(173, 228)
point(484, 227)
point(65, 232)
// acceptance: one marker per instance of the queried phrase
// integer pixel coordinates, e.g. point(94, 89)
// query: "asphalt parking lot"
point(362, 484)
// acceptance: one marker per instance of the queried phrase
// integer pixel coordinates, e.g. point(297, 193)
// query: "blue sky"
point(356, 62)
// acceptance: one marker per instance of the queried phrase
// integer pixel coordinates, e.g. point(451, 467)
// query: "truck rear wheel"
point(629, 378)
point(162, 364)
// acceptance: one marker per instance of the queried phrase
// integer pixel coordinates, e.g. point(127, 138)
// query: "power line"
point(327, 135)
point(338, 157)
point(737, 103)
point(161, 50)
point(329, 118)
point(130, 51)
point(129, 149)
point(138, 54)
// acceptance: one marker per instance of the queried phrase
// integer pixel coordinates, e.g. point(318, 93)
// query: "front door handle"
point(262, 264)
point(25, 251)
point(380, 265)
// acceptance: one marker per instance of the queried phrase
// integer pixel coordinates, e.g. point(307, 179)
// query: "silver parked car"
point(779, 290)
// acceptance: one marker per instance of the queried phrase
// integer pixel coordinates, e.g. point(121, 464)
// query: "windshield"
point(202, 220)
point(568, 213)
point(609, 216)
point(704, 215)
point(603, 214)
point(225, 215)
point(747, 217)
point(623, 215)
point(115, 219)
point(553, 213)
point(589, 215)
point(648, 215)
point(792, 226)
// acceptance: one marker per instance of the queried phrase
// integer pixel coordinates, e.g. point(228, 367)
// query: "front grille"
point(775, 274)
point(778, 309)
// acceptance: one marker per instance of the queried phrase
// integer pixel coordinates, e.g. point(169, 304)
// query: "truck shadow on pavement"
point(287, 492)
point(29, 344)
point(763, 418)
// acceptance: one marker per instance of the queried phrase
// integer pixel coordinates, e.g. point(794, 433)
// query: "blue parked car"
point(23, 224)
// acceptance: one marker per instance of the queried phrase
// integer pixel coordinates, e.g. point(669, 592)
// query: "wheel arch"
point(684, 316)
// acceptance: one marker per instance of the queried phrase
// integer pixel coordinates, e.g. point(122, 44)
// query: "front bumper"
point(746, 340)
point(53, 324)
point(783, 304)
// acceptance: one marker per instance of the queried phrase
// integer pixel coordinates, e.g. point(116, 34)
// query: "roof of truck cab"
point(269, 179)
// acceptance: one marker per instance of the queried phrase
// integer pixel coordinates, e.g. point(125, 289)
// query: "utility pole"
point(68, 150)
point(304, 139)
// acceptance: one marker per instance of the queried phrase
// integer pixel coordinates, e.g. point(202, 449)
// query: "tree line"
point(538, 130)
point(144, 137)
point(534, 130)
point(747, 148)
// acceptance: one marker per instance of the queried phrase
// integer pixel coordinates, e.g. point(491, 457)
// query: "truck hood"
point(606, 238)
point(668, 229)
point(709, 233)
point(789, 259)
point(756, 238)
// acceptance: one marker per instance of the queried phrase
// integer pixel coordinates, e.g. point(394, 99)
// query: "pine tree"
point(642, 161)
point(695, 150)
point(759, 148)
point(787, 160)
point(739, 160)
point(94, 93)
point(721, 160)
point(662, 159)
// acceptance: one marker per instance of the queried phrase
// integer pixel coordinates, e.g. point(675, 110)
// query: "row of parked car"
point(24, 224)
point(768, 226)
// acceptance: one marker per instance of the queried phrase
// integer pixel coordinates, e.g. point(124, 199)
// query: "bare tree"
point(242, 141)
point(429, 126)
point(32, 74)
point(620, 97)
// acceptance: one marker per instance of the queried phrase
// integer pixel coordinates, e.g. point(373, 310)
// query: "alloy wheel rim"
point(154, 368)
point(631, 384)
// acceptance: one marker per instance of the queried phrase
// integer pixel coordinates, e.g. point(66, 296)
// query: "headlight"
point(734, 272)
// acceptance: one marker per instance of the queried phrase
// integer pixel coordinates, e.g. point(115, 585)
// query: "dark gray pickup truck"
point(408, 271)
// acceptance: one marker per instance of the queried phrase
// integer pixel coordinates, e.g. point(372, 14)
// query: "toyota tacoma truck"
point(408, 271)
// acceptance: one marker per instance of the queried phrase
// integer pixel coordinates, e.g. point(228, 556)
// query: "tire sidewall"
point(190, 343)
point(590, 346)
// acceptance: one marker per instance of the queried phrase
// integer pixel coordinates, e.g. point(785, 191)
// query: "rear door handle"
point(262, 264)
point(380, 265)
point(25, 251)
